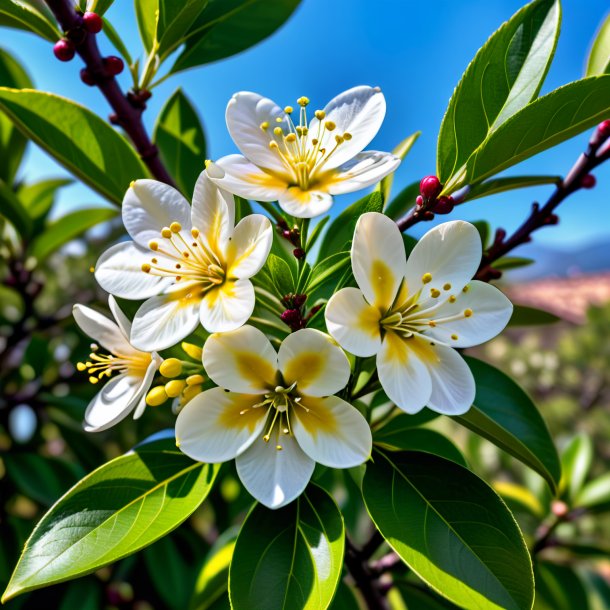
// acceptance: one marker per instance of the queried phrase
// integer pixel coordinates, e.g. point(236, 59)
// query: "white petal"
point(227, 307)
point(364, 169)
point(378, 259)
point(305, 204)
point(453, 386)
point(353, 323)
point(450, 253)
point(249, 246)
point(332, 432)
point(155, 363)
point(358, 111)
point(242, 361)
point(275, 477)
point(101, 329)
point(149, 205)
point(213, 213)
point(216, 426)
point(491, 311)
point(119, 272)
point(163, 321)
point(123, 322)
point(246, 112)
point(314, 361)
point(237, 175)
point(402, 373)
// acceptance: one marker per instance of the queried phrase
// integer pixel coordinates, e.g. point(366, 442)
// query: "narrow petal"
point(149, 205)
point(488, 309)
point(353, 323)
point(249, 246)
point(155, 363)
point(378, 259)
point(453, 386)
point(364, 169)
point(358, 111)
point(305, 204)
point(163, 321)
point(227, 307)
point(314, 361)
point(237, 175)
point(241, 361)
point(102, 330)
point(123, 322)
point(444, 259)
point(402, 372)
point(275, 477)
point(119, 272)
point(246, 114)
point(332, 432)
point(216, 426)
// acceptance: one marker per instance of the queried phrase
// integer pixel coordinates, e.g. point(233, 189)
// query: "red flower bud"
point(114, 65)
point(299, 300)
point(430, 187)
point(86, 77)
point(419, 201)
point(604, 128)
point(444, 205)
point(299, 253)
point(64, 50)
point(93, 22)
point(588, 181)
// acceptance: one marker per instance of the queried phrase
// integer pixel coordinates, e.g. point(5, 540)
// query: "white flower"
point(274, 412)
point(189, 262)
point(126, 391)
point(302, 163)
point(411, 314)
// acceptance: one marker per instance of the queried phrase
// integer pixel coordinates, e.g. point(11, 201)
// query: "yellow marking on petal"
point(316, 417)
point(254, 368)
point(423, 350)
point(238, 412)
point(396, 350)
point(382, 281)
point(368, 321)
point(304, 368)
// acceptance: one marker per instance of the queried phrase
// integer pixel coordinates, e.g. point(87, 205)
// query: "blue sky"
point(415, 51)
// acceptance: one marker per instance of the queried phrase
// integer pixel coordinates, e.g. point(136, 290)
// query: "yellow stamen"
point(175, 227)
point(447, 286)
point(288, 109)
point(434, 293)
point(303, 101)
point(320, 114)
point(426, 278)
point(467, 313)
point(330, 125)
point(153, 245)
point(166, 232)
point(264, 125)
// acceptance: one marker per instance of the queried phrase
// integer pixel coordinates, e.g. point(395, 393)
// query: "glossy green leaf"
point(344, 598)
point(67, 228)
point(415, 597)
point(117, 42)
point(576, 461)
point(505, 75)
point(451, 529)
point(84, 594)
point(529, 316)
point(181, 141)
point(175, 20)
point(520, 498)
point(599, 56)
point(512, 262)
point(146, 16)
point(505, 415)
point(403, 202)
point(559, 587)
point(280, 274)
point(328, 270)
point(118, 509)
point(38, 197)
point(97, 6)
point(27, 16)
point(501, 185)
point(78, 139)
point(227, 27)
point(289, 558)
point(544, 123)
point(401, 151)
point(394, 427)
point(595, 494)
point(12, 209)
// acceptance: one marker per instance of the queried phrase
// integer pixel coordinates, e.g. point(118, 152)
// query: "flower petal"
point(402, 372)
point(249, 246)
point(378, 259)
point(314, 361)
point(155, 363)
point(304, 204)
point(119, 272)
point(353, 323)
point(101, 329)
point(364, 169)
point(241, 361)
point(490, 310)
point(275, 477)
point(149, 205)
point(246, 112)
point(237, 175)
point(453, 386)
point(227, 307)
point(216, 426)
point(447, 256)
point(358, 111)
point(123, 322)
point(163, 321)
point(332, 432)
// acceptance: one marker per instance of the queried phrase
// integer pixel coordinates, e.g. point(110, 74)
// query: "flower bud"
point(419, 201)
point(64, 50)
point(299, 253)
point(588, 181)
point(114, 65)
point(174, 388)
point(292, 317)
point(172, 367)
point(444, 205)
point(93, 22)
point(299, 300)
point(430, 187)
point(86, 77)
point(559, 508)
point(604, 128)
point(194, 351)
point(157, 396)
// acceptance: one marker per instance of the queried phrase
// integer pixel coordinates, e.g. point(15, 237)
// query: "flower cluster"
point(278, 408)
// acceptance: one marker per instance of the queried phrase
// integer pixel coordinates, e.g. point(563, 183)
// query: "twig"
point(363, 577)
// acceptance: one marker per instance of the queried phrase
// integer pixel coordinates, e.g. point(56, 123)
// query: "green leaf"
point(418, 598)
point(394, 428)
point(281, 276)
point(451, 529)
point(529, 316)
point(78, 139)
point(227, 27)
point(401, 151)
point(521, 497)
point(13, 210)
point(512, 262)
point(505, 415)
point(328, 269)
point(118, 509)
point(25, 15)
point(289, 558)
point(38, 197)
point(544, 123)
point(559, 588)
point(576, 460)
point(175, 19)
point(84, 594)
point(599, 56)
point(67, 228)
point(147, 16)
point(99, 6)
point(117, 42)
point(179, 135)
point(403, 202)
point(595, 494)
point(505, 75)
point(501, 185)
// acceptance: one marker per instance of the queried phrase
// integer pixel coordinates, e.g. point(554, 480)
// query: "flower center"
point(303, 152)
point(104, 365)
point(190, 260)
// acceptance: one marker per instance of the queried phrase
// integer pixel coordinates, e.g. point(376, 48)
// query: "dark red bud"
point(588, 181)
point(286, 233)
point(86, 77)
point(64, 50)
point(604, 128)
point(419, 201)
point(428, 215)
point(299, 300)
point(292, 318)
point(430, 187)
point(444, 205)
point(114, 65)
point(299, 253)
point(93, 22)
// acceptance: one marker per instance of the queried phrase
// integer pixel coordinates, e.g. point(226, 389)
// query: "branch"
point(365, 580)
point(127, 108)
